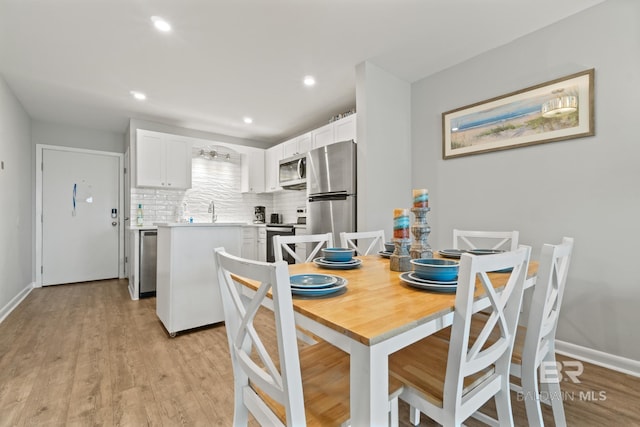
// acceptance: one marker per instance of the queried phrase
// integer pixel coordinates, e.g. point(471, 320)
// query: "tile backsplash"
point(215, 179)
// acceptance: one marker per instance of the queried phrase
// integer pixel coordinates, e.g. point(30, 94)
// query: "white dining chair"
point(535, 343)
point(468, 239)
point(373, 240)
point(281, 243)
point(450, 380)
point(295, 387)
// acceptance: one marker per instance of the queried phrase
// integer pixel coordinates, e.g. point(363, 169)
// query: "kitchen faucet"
point(212, 211)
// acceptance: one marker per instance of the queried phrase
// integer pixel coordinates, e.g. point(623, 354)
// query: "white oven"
point(292, 173)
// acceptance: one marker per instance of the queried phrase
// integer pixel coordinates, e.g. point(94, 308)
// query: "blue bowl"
point(338, 254)
point(435, 269)
point(389, 246)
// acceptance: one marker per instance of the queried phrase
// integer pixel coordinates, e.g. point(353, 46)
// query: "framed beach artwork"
point(551, 111)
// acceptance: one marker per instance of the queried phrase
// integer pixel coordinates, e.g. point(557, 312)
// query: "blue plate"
point(485, 251)
point(385, 254)
point(413, 276)
point(426, 286)
point(339, 286)
point(312, 280)
point(451, 253)
point(354, 263)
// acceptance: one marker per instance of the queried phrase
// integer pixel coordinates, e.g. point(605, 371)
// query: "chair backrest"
point(545, 305)
point(281, 382)
point(373, 240)
point(466, 239)
point(281, 243)
point(466, 358)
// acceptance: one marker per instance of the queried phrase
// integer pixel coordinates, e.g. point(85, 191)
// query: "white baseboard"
point(600, 358)
point(7, 309)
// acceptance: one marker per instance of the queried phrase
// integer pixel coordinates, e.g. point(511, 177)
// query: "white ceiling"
point(76, 61)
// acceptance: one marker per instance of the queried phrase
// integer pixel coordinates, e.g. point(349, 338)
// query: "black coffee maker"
point(259, 214)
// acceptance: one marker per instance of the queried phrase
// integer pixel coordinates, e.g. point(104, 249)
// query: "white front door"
point(79, 234)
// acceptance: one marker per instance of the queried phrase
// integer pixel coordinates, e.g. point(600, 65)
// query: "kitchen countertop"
point(143, 227)
point(202, 224)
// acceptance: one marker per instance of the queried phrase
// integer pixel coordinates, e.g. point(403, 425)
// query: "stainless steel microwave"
point(292, 173)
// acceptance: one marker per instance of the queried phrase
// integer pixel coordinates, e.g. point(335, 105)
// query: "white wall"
point(16, 201)
point(384, 147)
point(71, 136)
point(585, 188)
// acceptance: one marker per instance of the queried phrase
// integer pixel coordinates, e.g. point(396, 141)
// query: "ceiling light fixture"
point(309, 81)
point(138, 95)
point(248, 120)
point(161, 24)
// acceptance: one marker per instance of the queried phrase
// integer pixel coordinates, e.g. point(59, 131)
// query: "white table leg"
point(369, 386)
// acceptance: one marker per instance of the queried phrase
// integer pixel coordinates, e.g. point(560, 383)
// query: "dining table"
point(377, 315)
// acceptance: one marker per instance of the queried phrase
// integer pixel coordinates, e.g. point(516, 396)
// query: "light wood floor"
point(85, 354)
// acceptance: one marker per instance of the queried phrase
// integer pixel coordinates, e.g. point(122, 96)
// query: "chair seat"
point(326, 392)
point(423, 365)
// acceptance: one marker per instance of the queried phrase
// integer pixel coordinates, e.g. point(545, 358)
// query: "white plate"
point(427, 286)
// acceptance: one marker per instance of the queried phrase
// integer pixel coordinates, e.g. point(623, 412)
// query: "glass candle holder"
point(421, 198)
point(401, 224)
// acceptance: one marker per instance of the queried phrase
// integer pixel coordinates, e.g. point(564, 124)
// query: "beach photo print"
point(552, 111)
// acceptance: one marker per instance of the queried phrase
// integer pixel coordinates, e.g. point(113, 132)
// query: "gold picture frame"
point(552, 111)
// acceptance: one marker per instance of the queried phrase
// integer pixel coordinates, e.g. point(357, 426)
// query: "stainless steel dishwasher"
point(148, 252)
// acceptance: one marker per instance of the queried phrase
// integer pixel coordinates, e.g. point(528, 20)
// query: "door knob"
point(114, 223)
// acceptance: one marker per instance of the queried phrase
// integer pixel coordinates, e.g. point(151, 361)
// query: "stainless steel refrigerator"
point(331, 188)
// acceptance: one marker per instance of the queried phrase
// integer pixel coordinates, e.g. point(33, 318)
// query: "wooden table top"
point(377, 304)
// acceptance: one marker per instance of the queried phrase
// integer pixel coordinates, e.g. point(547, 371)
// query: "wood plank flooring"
point(85, 354)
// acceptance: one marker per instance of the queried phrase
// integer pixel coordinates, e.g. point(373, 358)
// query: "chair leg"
point(503, 404)
point(240, 411)
point(414, 415)
point(393, 412)
point(531, 396)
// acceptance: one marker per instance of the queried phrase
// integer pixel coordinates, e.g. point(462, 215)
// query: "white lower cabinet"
point(254, 243)
point(301, 248)
point(187, 290)
point(249, 242)
point(262, 244)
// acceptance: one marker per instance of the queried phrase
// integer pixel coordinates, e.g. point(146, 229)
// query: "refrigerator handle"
point(328, 197)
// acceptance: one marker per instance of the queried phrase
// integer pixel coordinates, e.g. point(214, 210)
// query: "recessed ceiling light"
point(309, 81)
point(161, 24)
point(138, 95)
point(248, 120)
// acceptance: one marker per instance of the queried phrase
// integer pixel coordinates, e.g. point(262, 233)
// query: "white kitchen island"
point(187, 291)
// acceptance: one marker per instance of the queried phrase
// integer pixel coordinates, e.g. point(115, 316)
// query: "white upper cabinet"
point(323, 136)
point(298, 145)
point(272, 157)
point(162, 160)
point(340, 130)
point(253, 177)
point(345, 129)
